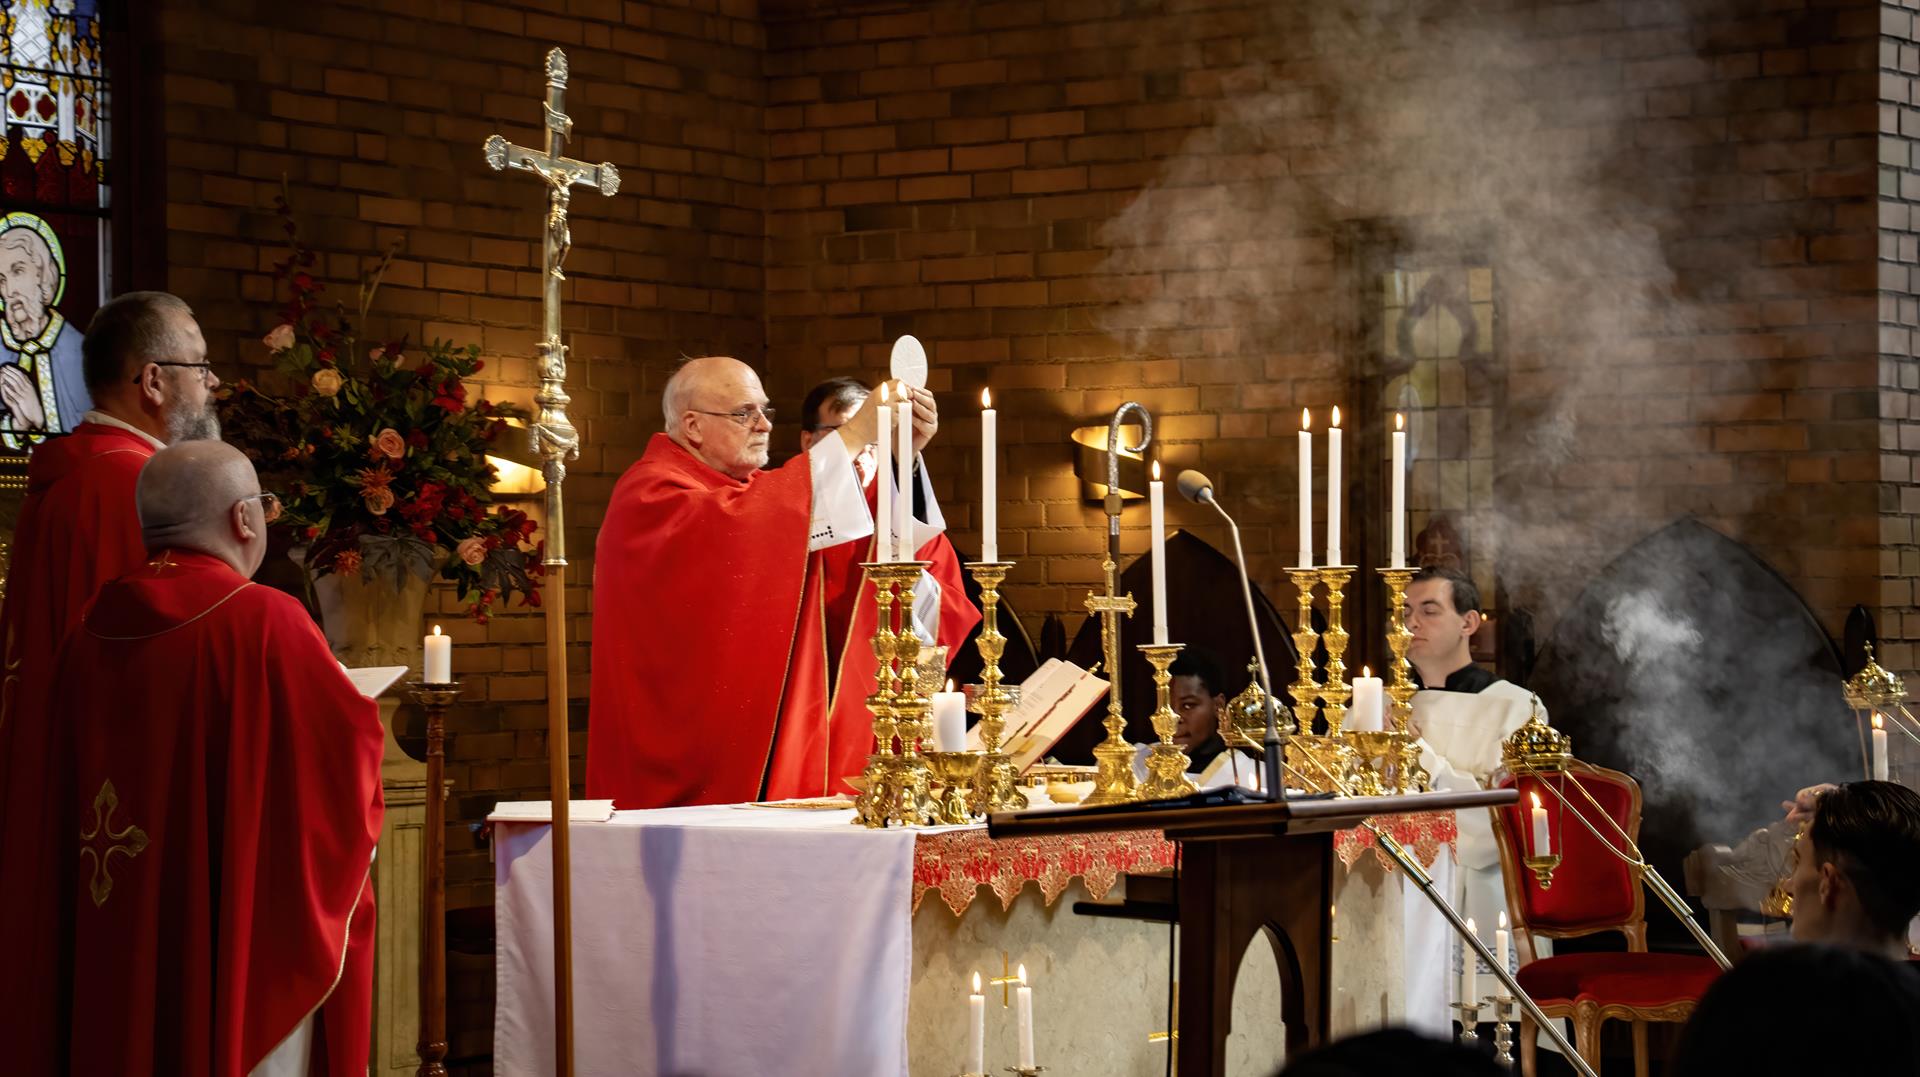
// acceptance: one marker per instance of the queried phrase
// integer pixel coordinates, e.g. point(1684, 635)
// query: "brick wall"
point(1899, 317)
point(1193, 204)
point(374, 113)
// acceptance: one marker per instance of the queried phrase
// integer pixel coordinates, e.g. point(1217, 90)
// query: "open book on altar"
point(1052, 701)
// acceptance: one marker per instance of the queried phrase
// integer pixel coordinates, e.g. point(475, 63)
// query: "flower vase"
point(370, 622)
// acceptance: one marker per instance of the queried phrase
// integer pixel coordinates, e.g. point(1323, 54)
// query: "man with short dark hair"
point(1856, 872)
point(150, 382)
point(828, 405)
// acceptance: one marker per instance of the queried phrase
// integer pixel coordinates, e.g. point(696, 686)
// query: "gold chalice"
point(955, 771)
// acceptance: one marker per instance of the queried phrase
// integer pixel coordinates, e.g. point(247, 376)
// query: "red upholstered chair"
point(1592, 890)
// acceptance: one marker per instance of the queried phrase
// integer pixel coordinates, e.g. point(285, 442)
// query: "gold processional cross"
point(100, 841)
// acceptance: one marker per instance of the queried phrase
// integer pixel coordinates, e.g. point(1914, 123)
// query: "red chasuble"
point(218, 835)
point(78, 529)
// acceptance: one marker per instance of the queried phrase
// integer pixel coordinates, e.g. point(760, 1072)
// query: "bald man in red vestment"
point(219, 832)
point(710, 670)
point(145, 365)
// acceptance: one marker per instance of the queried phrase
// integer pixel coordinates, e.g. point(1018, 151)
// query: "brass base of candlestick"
point(996, 785)
point(1113, 782)
point(1322, 764)
point(1167, 764)
point(955, 771)
point(1543, 868)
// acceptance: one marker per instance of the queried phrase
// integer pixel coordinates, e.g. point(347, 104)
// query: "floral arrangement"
point(379, 458)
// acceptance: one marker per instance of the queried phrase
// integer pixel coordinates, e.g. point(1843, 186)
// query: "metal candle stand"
point(993, 784)
point(897, 784)
point(434, 699)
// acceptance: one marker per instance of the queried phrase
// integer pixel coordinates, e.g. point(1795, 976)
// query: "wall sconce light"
point(1090, 462)
point(516, 467)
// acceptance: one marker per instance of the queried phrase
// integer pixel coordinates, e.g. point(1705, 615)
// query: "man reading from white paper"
point(710, 680)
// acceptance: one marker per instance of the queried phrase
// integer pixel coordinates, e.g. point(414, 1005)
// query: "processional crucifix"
point(555, 439)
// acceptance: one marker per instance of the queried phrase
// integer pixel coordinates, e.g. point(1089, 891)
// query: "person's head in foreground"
point(145, 363)
point(1198, 696)
point(1392, 1052)
point(1856, 868)
point(1800, 1011)
point(715, 409)
point(829, 404)
point(204, 496)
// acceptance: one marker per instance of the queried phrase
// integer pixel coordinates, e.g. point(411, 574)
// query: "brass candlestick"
point(434, 699)
point(1335, 693)
point(896, 786)
point(994, 788)
point(1400, 687)
point(1167, 763)
point(870, 808)
point(912, 712)
point(1305, 690)
point(1115, 783)
point(956, 771)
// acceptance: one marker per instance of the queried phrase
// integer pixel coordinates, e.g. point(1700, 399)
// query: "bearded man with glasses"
point(710, 665)
point(146, 371)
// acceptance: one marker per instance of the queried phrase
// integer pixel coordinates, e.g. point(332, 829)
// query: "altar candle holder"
point(1400, 686)
point(1304, 690)
point(1469, 1020)
point(913, 712)
point(1502, 1029)
point(1114, 783)
point(1027, 1071)
point(434, 698)
point(1335, 692)
point(896, 785)
point(1167, 763)
point(994, 789)
point(1543, 868)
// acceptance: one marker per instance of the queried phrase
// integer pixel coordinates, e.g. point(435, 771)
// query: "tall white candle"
point(904, 546)
point(1397, 521)
point(1157, 521)
point(950, 720)
point(437, 666)
point(1500, 943)
point(1306, 489)
point(1542, 838)
point(1469, 968)
point(1023, 1015)
point(883, 478)
point(1369, 710)
point(976, 1029)
point(1879, 750)
point(989, 479)
point(1334, 492)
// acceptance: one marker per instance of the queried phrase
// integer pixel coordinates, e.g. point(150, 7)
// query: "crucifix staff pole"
point(555, 439)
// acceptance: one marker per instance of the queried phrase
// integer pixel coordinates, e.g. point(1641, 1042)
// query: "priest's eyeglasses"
point(269, 504)
point(205, 369)
point(744, 416)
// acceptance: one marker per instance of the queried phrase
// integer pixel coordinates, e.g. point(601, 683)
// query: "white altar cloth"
point(680, 970)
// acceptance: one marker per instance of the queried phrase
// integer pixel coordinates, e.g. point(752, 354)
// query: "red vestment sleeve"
point(698, 580)
point(226, 828)
point(77, 529)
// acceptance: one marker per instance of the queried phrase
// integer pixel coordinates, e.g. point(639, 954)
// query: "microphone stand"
point(1274, 746)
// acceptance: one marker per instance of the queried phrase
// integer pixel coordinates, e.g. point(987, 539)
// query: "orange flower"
point(390, 443)
point(374, 478)
point(379, 500)
point(472, 550)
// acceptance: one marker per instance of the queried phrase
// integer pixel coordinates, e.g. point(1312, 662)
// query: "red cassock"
point(77, 530)
point(217, 836)
point(711, 680)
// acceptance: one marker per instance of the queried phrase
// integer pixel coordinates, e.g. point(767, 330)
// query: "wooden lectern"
point(1244, 868)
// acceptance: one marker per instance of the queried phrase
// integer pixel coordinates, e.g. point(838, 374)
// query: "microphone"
point(1198, 489)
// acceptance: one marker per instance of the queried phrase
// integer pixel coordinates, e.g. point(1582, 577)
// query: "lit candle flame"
point(883, 392)
point(1156, 471)
point(1503, 921)
point(1366, 671)
point(986, 398)
point(1536, 801)
point(949, 684)
point(976, 983)
point(1399, 421)
point(1306, 419)
point(436, 631)
point(1336, 415)
point(1876, 717)
point(1023, 975)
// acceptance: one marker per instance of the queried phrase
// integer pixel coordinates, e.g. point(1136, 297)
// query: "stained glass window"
point(54, 209)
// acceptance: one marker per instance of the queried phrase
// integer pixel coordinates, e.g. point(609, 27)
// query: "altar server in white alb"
point(1462, 713)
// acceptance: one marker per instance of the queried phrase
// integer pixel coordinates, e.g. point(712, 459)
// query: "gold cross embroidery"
point(164, 561)
point(129, 841)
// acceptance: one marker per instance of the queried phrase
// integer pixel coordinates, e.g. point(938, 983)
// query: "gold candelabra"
point(897, 784)
point(1167, 763)
point(994, 786)
point(1304, 690)
point(1114, 784)
point(1400, 687)
point(1335, 693)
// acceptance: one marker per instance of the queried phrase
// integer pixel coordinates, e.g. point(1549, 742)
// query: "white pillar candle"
point(1469, 968)
point(1334, 492)
point(1542, 839)
point(950, 720)
point(1306, 489)
point(1879, 750)
point(1157, 522)
point(976, 1029)
point(883, 478)
point(989, 480)
point(904, 547)
point(1369, 710)
point(1023, 1014)
point(1501, 944)
point(437, 668)
point(1397, 522)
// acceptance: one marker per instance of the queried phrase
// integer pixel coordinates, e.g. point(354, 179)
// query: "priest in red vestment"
point(218, 832)
point(710, 664)
point(144, 362)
